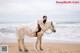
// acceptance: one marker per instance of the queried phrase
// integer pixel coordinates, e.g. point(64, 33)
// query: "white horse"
point(25, 30)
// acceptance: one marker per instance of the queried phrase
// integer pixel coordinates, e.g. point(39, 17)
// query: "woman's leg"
point(40, 41)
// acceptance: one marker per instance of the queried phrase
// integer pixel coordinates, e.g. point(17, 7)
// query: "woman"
point(41, 24)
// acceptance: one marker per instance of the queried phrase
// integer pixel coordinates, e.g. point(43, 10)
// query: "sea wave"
point(65, 32)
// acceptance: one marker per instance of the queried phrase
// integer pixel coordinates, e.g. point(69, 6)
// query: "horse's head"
point(52, 27)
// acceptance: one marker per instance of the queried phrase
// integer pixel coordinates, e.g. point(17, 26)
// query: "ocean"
point(65, 32)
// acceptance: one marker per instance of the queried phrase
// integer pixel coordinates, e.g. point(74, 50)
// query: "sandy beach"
point(48, 48)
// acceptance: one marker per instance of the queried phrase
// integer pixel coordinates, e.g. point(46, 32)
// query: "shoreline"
point(48, 48)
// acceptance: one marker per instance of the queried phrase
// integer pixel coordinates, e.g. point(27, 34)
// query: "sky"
point(26, 10)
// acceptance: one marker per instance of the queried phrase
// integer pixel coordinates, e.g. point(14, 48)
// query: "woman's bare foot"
point(41, 49)
point(26, 50)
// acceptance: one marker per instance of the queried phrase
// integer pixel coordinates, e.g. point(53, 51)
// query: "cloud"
point(26, 8)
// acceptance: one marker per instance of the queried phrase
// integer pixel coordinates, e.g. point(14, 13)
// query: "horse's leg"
point(36, 43)
point(19, 47)
point(19, 40)
point(23, 46)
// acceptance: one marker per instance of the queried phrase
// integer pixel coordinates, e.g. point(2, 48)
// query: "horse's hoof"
point(20, 50)
point(26, 50)
point(41, 49)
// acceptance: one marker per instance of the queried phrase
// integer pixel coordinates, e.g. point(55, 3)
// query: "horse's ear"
point(51, 23)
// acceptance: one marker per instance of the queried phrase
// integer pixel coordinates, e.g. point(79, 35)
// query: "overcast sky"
point(26, 10)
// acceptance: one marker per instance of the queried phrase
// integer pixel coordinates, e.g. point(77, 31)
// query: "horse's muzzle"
point(54, 31)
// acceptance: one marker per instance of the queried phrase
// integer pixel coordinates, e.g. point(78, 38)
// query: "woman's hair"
point(44, 21)
point(44, 16)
